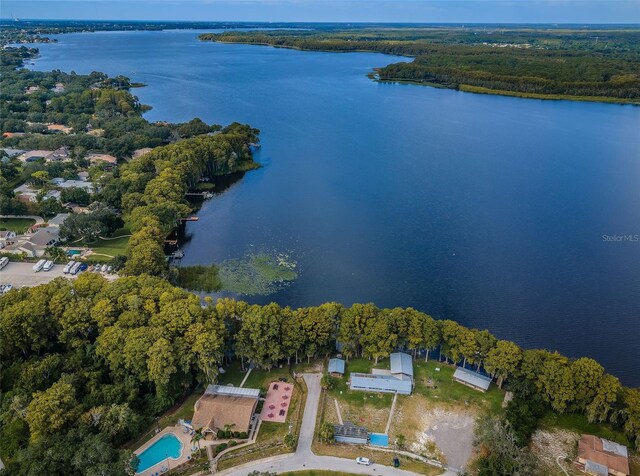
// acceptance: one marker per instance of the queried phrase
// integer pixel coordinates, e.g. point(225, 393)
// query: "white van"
point(67, 268)
point(39, 265)
point(3, 262)
point(48, 266)
point(75, 268)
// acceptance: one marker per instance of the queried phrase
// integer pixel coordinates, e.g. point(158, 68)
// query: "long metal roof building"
point(380, 383)
point(472, 379)
point(233, 391)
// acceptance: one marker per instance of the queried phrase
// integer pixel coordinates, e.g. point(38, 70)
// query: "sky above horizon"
point(469, 11)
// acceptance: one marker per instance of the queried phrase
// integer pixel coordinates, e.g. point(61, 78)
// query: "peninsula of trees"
point(590, 65)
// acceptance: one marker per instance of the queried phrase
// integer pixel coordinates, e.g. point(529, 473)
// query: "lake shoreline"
point(463, 87)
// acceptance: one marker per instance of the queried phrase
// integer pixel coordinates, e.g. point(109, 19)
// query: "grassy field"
point(439, 386)
point(19, 225)
point(112, 247)
point(233, 374)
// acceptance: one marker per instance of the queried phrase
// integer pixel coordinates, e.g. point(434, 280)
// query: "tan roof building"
point(221, 406)
point(140, 152)
point(602, 457)
point(95, 158)
point(59, 128)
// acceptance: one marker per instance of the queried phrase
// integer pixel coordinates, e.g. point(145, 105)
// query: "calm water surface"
point(484, 209)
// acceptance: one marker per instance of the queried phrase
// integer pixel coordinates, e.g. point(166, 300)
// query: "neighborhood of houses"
point(61, 154)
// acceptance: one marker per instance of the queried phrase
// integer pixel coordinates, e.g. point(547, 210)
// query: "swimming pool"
point(169, 446)
point(379, 439)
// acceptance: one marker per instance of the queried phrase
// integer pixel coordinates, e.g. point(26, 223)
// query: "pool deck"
point(185, 439)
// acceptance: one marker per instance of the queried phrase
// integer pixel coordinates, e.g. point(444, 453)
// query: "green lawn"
point(112, 247)
point(19, 225)
point(233, 374)
point(342, 392)
point(447, 391)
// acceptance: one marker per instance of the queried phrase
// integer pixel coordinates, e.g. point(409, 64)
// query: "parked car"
point(363, 461)
point(83, 267)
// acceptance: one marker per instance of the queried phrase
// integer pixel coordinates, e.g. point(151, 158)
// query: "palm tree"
point(55, 253)
point(228, 427)
point(197, 436)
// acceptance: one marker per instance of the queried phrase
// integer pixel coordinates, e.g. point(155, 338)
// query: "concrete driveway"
point(304, 458)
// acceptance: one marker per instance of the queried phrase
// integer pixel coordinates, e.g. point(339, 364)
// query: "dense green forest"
point(600, 65)
point(86, 364)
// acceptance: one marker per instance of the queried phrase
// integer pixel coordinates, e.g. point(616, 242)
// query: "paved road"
point(304, 458)
point(39, 220)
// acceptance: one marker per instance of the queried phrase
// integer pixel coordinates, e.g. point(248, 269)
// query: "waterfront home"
point(602, 457)
point(223, 407)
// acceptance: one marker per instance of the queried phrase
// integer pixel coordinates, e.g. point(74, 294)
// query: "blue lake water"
point(488, 210)
point(169, 446)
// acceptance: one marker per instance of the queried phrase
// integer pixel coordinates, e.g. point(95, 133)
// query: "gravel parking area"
point(452, 432)
point(21, 275)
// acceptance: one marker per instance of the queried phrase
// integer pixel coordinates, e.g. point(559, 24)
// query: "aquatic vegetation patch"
point(261, 274)
point(254, 274)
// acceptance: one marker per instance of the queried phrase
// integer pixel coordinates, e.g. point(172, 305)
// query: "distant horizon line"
point(19, 20)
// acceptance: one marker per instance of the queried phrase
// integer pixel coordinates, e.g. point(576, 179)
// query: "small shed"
point(350, 433)
point(472, 379)
point(401, 365)
point(336, 367)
